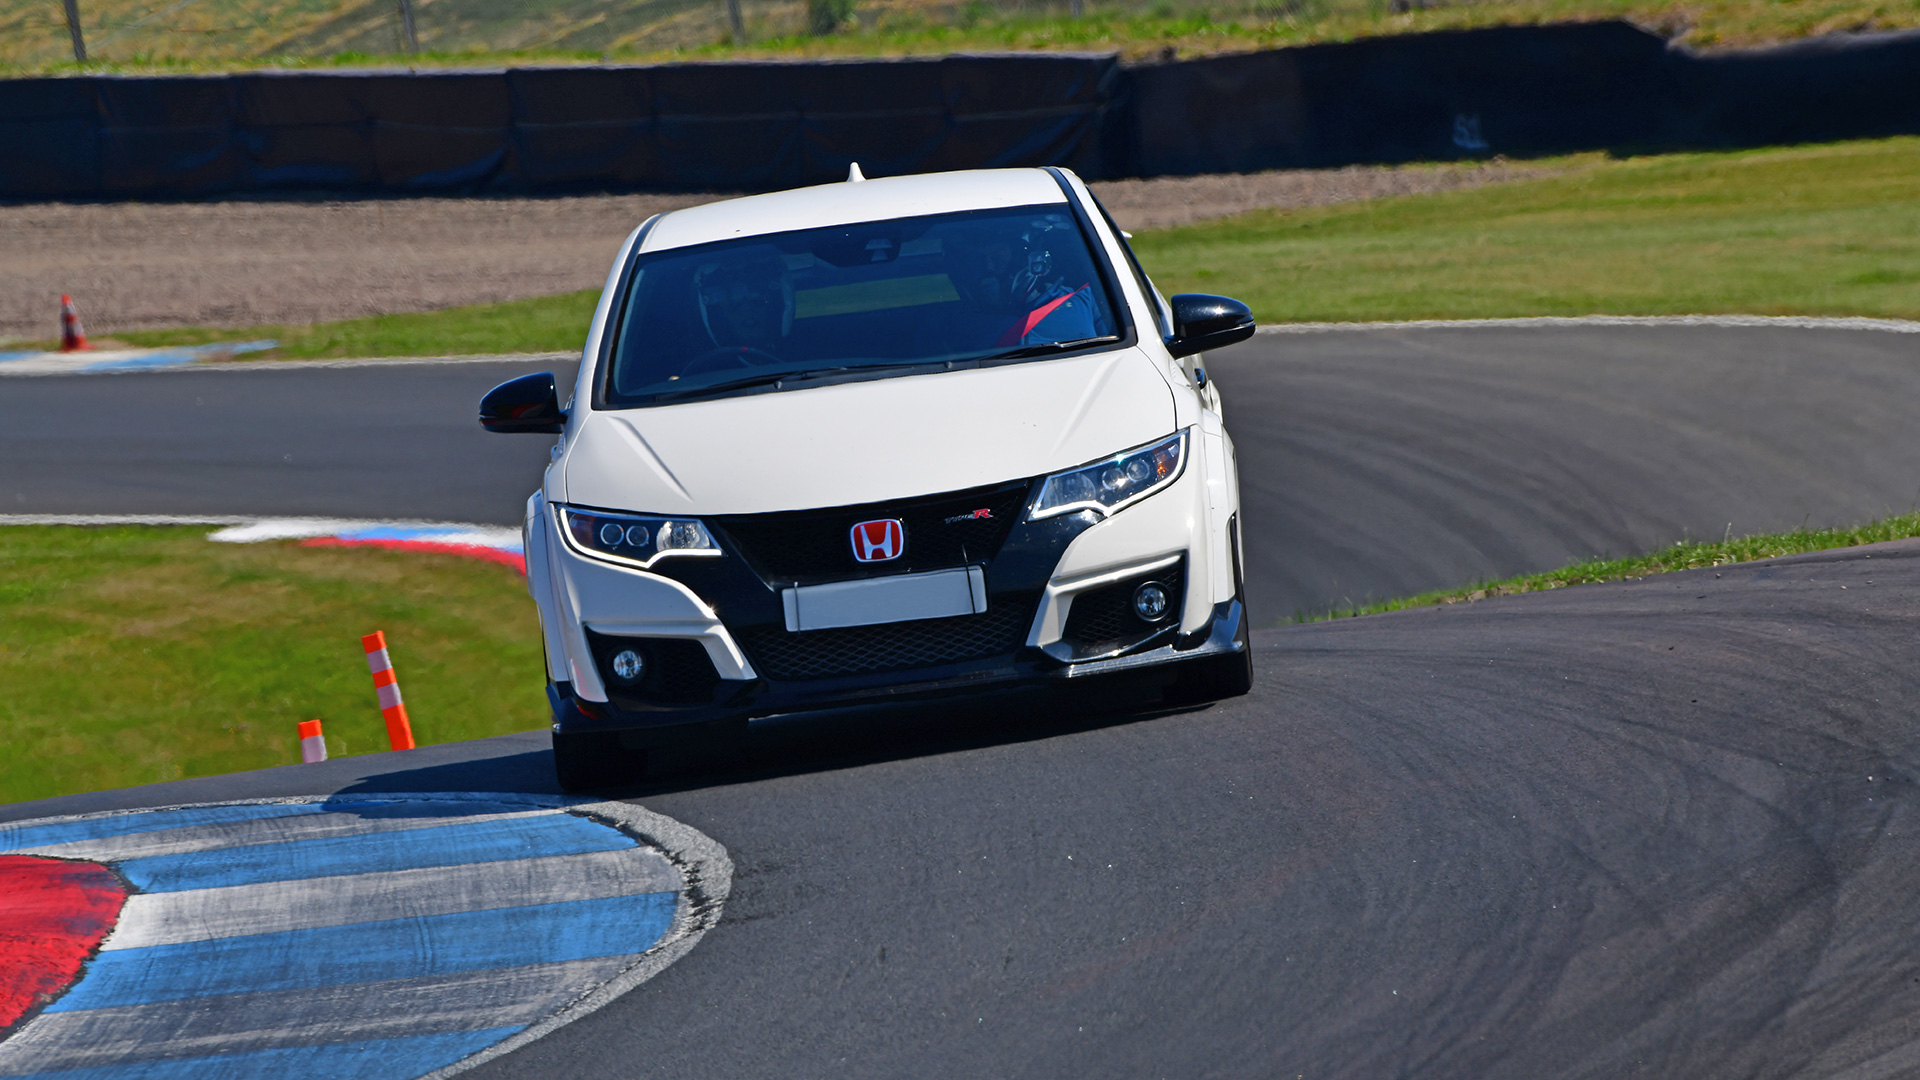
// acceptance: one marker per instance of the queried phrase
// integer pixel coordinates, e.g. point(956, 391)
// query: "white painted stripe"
point(313, 749)
point(272, 907)
point(121, 519)
point(468, 1001)
point(258, 529)
point(23, 367)
point(389, 695)
point(378, 661)
point(141, 845)
point(1782, 322)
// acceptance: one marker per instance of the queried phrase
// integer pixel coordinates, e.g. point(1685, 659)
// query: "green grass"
point(215, 35)
point(1683, 555)
point(1816, 230)
point(1819, 230)
point(541, 324)
point(133, 655)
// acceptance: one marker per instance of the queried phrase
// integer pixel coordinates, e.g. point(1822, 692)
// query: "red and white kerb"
point(399, 732)
point(313, 745)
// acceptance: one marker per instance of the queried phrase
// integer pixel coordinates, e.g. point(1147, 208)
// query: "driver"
point(746, 304)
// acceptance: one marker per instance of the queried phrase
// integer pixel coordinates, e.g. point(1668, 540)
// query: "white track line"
point(31, 369)
point(1782, 322)
point(270, 907)
point(125, 519)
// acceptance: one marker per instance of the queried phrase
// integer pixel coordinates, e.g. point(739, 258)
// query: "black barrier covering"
point(762, 126)
point(1429, 96)
point(1512, 90)
point(746, 126)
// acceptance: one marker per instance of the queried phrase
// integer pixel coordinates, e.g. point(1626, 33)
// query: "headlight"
point(1106, 486)
point(630, 538)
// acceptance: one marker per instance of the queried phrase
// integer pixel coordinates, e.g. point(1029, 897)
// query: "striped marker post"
point(313, 745)
point(399, 731)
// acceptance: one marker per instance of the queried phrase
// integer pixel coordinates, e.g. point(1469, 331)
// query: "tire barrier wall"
point(1513, 90)
point(763, 126)
point(729, 127)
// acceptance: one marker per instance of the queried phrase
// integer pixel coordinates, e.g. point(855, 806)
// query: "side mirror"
point(527, 404)
point(1202, 322)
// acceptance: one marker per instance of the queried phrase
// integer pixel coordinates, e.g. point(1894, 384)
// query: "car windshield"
point(894, 297)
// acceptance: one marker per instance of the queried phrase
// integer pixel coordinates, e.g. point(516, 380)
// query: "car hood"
point(866, 441)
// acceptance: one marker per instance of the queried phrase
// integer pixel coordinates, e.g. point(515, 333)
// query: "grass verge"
point(1815, 230)
point(136, 654)
point(1684, 555)
point(541, 324)
point(222, 35)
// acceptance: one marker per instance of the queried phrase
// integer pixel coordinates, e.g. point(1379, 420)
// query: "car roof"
point(848, 202)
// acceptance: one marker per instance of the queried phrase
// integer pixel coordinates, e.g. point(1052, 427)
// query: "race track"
point(1374, 463)
point(1657, 827)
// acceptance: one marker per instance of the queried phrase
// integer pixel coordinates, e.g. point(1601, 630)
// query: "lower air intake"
point(901, 646)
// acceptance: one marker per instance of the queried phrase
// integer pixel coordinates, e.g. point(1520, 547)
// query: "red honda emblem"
point(878, 541)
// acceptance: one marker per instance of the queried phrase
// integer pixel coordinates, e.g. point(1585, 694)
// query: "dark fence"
point(761, 126)
point(1514, 90)
point(750, 126)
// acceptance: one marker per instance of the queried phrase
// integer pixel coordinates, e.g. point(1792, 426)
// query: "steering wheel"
point(726, 356)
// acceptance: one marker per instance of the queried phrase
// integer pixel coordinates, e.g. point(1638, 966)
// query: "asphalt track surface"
point(1660, 828)
point(1374, 463)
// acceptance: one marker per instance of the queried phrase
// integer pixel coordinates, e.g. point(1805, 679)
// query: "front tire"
point(586, 760)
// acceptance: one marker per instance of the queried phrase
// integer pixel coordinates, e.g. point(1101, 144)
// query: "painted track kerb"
point(704, 869)
point(1784, 322)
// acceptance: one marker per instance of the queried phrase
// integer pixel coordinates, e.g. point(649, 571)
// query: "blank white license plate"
point(933, 595)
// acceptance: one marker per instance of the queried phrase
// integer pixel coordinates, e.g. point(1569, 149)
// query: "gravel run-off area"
point(250, 262)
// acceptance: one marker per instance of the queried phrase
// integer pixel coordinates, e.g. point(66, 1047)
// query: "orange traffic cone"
point(73, 337)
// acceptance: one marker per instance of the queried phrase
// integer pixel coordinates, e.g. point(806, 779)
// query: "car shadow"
point(807, 743)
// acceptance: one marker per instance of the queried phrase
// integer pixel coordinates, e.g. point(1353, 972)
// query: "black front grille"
point(1103, 620)
point(804, 547)
point(678, 670)
point(860, 650)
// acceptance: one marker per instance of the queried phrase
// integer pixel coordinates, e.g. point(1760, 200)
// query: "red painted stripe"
point(471, 551)
point(53, 914)
point(383, 677)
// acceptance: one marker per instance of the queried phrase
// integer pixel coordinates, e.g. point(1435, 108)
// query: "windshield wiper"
point(774, 378)
point(765, 378)
point(1044, 348)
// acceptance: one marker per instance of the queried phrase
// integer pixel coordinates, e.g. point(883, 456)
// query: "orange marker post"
point(313, 745)
point(399, 731)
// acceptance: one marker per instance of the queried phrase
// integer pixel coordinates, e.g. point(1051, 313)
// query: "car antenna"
point(854, 175)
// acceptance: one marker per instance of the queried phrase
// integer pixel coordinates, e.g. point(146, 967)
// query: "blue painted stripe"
point(401, 849)
point(174, 357)
point(374, 1059)
point(398, 532)
point(13, 838)
point(375, 951)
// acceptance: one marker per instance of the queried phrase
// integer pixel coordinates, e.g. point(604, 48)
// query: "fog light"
point(1150, 601)
point(629, 665)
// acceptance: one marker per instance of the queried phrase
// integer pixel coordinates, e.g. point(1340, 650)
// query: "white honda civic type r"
point(873, 442)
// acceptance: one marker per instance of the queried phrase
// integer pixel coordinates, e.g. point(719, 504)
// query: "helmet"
point(746, 299)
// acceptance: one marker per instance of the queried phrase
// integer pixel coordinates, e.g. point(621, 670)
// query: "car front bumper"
point(1043, 567)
